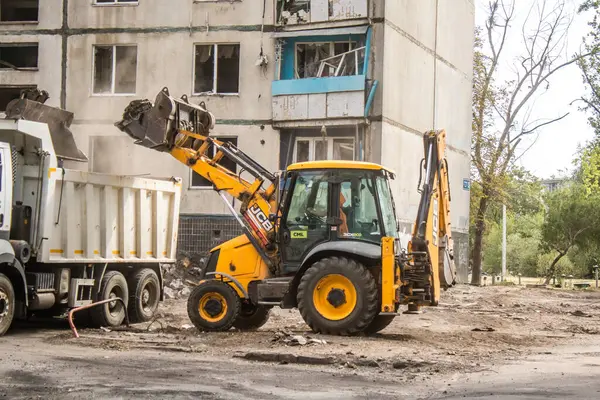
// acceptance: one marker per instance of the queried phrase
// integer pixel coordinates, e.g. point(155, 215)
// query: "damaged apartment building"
point(288, 80)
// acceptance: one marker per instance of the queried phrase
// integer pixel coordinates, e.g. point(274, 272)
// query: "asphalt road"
point(31, 368)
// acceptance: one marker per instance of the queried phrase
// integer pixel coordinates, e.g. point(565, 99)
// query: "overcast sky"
point(552, 149)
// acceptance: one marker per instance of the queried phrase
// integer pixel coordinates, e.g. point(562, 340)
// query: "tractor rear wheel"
point(213, 306)
point(337, 296)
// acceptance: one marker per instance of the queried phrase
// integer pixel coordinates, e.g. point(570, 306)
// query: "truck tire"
point(7, 304)
point(213, 306)
point(113, 285)
point(338, 296)
point(252, 317)
point(144, 295)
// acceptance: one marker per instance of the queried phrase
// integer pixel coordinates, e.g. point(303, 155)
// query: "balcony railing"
point(344, 64)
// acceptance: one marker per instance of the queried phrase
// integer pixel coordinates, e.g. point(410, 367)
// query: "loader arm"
point(182, 129)
point(431, 247)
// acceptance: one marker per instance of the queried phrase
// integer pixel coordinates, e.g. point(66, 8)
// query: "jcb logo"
point(261, 217)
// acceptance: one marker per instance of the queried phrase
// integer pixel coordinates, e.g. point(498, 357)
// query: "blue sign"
point(466, 184)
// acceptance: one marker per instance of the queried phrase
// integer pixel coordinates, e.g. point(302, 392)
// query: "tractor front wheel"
point(338, 296)
point(213, 306)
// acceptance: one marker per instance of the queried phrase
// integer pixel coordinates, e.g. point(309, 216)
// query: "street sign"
point(466, 184)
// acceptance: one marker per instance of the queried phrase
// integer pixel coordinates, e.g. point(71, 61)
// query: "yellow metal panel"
point(337, 164)
point(388, 264)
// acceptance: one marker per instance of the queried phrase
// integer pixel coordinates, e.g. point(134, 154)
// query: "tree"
point(502, 110)
point(590, 66)
point(572, 219)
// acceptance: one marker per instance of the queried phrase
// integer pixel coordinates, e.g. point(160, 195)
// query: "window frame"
point(23, 22)
point(116, 3)
point(192, 172)
point(215, 69)
point(311, 149)
point(23, 44)
point(114, 69)
point(352, 43)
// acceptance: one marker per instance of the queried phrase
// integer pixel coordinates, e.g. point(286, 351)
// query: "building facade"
point(288, 80)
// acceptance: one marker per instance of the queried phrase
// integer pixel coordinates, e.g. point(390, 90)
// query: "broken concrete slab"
point(286, 358)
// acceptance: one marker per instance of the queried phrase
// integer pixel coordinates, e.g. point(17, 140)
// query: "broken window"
point(217, 68)
point(328, 148)
point(324, 59)
point(292, 12)
point(198, 181)
point(115, 1)
point(9, 93)
point(18, 55)
point(19, 10)
point(115, 69)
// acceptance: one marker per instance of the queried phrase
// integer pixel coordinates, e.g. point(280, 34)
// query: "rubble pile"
point(179, 278)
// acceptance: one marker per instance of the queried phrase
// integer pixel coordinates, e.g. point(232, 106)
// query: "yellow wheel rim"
point(334, 297)
point(212, 307)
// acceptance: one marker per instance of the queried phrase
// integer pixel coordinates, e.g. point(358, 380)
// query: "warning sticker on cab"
point(299, 234)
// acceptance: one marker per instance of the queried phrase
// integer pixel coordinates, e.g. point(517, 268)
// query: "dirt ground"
point(473, 329)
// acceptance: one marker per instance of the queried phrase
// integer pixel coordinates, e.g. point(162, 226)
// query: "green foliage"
point(590, 66)
point(563, 266)
point(588, 167)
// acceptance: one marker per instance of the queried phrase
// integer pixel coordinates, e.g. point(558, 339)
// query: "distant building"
point(550, 185)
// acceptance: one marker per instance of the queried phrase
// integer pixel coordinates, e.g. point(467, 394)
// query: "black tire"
point(144, 295)
point(113, 284)
point(366, 305)
point(220, 305)
point(379, 323)
point(7, 304)
point(252, 317)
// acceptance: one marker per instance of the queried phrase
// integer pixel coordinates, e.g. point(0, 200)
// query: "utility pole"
point(503, 242)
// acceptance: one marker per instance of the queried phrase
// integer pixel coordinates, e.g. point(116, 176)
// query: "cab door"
point(5, 190)
point(304, 223)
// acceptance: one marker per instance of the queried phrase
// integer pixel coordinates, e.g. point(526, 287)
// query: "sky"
point(550, 151)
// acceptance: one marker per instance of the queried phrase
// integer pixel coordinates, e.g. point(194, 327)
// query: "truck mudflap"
point(58, 122)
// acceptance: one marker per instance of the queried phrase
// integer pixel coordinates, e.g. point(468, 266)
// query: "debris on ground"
point(579, 313)
point(446, 339)
point(291, 339)
point(486, 329)
point(179, 278)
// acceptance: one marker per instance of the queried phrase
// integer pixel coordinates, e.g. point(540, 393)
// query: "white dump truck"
point(70, 238)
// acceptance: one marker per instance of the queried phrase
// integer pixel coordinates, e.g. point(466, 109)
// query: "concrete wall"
point(165, 58)
point(427, 85)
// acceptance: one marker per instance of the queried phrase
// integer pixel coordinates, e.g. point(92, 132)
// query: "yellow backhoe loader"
point(321, 236)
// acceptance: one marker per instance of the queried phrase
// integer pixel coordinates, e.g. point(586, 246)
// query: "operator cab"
point(334, 206)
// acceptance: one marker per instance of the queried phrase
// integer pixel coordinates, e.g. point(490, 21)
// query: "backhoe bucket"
point(30, 107)
point(156, 125)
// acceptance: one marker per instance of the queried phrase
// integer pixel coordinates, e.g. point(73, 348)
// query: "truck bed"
point(106, 218)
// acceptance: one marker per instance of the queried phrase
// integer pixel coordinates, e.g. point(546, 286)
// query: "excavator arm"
point(182, 129)
point(430, 261)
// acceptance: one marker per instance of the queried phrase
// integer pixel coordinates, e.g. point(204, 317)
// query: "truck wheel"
point(113, 285)
point(213, 306)
point(379, 323)
point(7, 304)
point(337, 296)
point(252, 317)
point(144, 289)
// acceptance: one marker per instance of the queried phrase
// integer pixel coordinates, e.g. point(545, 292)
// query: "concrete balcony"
point(319, 98)
point(322, 75)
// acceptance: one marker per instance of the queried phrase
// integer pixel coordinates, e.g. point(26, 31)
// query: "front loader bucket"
point(156, 125)
point(58, 122)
